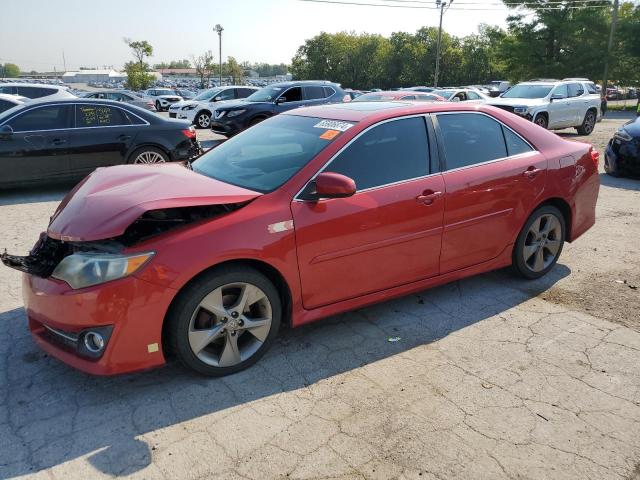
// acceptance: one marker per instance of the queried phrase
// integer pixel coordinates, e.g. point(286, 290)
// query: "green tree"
point(10, 70)
point(140, 49)
point(234, 70)
point(204, 67)
point(138, 76)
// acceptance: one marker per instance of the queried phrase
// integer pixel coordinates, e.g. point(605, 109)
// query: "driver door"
point(560, 111)
point(289, 99)
point(385, 235)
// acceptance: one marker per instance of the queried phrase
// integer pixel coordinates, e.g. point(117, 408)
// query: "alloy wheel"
point(541, 121)
point(149, 157)
point(542, 243)
point(589, 123)
point(230, 324)
point(204, 120)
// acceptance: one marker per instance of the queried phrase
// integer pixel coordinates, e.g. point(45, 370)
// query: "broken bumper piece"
point(43, 258)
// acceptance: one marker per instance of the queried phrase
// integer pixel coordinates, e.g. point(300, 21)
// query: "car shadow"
point(50, 193)
point(61, 414)
point(626, 183)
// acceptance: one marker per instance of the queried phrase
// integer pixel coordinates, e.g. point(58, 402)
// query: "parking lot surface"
point(490, 377)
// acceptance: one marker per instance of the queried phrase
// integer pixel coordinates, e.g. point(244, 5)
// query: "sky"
point(91, 33)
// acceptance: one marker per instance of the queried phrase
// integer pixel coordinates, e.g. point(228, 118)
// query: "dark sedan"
point(234, 116)
point(67, 139)
point(622, 155)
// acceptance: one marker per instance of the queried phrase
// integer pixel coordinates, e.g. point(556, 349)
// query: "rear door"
point(102, 136)
point(314, 95)
point(39, 146)
point(388, 233)
point(493, 178)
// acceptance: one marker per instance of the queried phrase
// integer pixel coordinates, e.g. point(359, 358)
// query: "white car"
point(162, 98)
point(200, 109)
point(554, 104)
point(40, 91)
point(462, 95)
point(9, 101)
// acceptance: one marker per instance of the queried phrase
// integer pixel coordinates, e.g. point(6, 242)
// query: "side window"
point(227, 94)
point(4, 105)
point(100, 116)
point(51, 117)
point(408, 97)
point(35, 92)
point(591, 88)
point(294, 94)
point(575, 89)
point(9, 90)
point(470, 138)
point(515, 145)
point(388, 153)
point(313, 93)
point(473, 96)
point(561, 90)
point(244, 92)
point(328, 92)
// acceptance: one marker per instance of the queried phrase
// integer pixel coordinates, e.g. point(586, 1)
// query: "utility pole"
point(218, 28)
point(614, 20)
point(64, 62)
point(440, 4)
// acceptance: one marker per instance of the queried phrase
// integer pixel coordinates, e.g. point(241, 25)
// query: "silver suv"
point(554, 104)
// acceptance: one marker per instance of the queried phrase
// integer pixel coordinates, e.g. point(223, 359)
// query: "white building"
point(86, 76)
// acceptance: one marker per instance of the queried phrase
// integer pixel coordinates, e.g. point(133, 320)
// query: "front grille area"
point(508, 108)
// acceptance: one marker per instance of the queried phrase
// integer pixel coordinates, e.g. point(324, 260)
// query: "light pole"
point(218, 28)
point(440, 4)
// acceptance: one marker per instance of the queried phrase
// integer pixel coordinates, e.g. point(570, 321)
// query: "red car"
point(311, 213)
point(399, 95)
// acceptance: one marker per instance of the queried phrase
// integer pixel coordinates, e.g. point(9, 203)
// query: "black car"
point(67, 139)
point(622, 154)
point(233, 117)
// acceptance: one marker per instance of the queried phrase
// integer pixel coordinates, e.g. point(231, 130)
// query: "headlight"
point(623, 135)
point(235, 113)
point(188, 107)
point(520, 110)
point(85, 269)
point(219, 113)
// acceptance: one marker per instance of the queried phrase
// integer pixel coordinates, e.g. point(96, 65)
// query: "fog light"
point(94, 342)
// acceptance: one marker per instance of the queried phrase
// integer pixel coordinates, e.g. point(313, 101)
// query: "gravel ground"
point(491, 377)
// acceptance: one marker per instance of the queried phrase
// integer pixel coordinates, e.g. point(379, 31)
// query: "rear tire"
point(541, 120)
point(539, 243)
point(256, 121)
point(148, 155)
point(206, 322)
point(158, 106)
point(588, 124)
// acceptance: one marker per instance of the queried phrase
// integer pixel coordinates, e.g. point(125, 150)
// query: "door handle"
point(58, 141)
point(124, 137)
point(428, 197)
point(531, 172)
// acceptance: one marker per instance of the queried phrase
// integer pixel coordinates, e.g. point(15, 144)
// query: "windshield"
point(266, 155)
point(208, 94)
point(445, 93)
point(374, 97)
point(528, 91)
point(165, 92)
point(266, 94)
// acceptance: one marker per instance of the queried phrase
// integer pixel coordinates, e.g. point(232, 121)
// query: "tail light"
point(595, 156)
point(190, 133)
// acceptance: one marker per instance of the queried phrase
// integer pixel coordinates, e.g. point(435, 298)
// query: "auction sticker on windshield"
point(329, 134)
point(334, 125)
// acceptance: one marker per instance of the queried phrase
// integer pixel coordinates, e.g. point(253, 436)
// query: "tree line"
point(558, 43)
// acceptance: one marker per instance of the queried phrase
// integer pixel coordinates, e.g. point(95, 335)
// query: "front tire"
point(158, 106)
point(611, 168)
point(224, 321)
point(588, 124)
point(539, 243)
point(203, 120)
point(541, 120)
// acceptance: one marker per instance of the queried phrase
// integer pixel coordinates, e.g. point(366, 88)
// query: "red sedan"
point(308, 214)
point(399, 95)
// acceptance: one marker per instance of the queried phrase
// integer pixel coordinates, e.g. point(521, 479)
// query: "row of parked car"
point(63, 136)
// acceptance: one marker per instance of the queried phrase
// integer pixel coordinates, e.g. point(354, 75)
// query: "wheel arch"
point(268, 270)
point(564, 207)
point(147, 144)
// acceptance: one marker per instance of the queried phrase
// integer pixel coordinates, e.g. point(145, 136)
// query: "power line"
point(529, 2)
point(425, 7)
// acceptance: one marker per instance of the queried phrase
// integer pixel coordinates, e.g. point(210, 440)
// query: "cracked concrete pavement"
point(493, 377)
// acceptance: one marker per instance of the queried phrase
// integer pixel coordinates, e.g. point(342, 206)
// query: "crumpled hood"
point(106, 202)
point(516, 102)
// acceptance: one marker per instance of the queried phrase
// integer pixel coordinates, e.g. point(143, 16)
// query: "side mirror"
point(281, 100)
point(556, 96)
point(6, 132)
point(217, 99)
point(334, 185)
